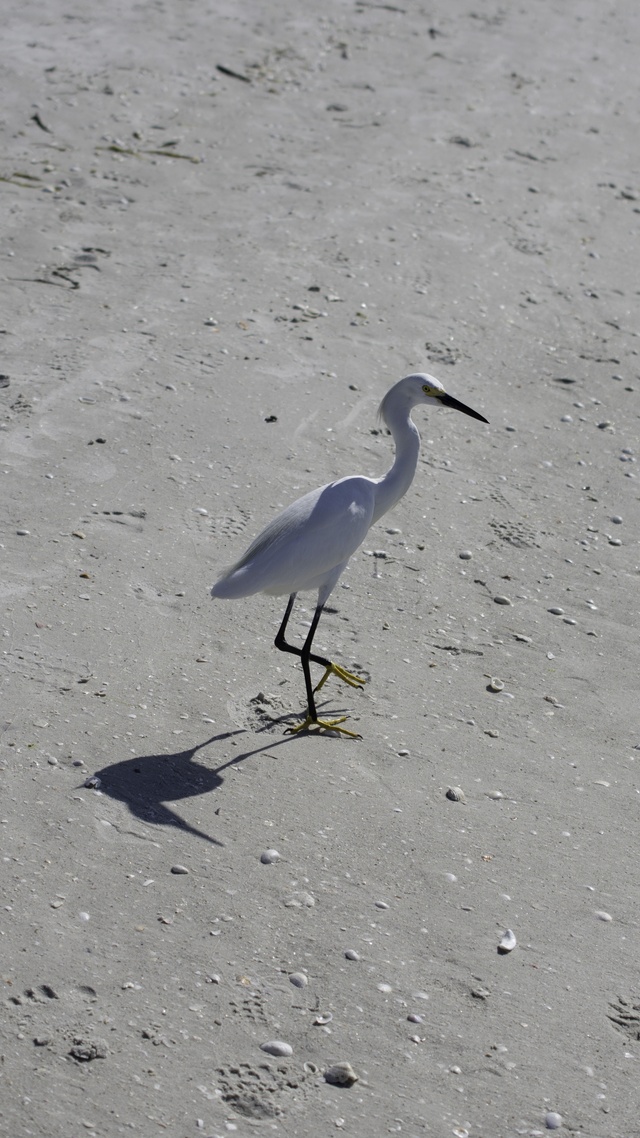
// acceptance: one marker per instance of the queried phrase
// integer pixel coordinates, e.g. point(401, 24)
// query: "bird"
point(308, 544)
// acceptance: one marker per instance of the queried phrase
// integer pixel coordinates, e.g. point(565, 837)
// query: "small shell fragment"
point(502, 600)
point(507, 942)
point(351, 954)
point(179, 869)
point(341, 1075)
point(269, 856)
point(277, 1047)
point(602, 916)
point(495, 684)
point(320, 1020)
point(455, 794)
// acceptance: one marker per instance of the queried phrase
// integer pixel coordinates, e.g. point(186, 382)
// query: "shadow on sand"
point(147, 783)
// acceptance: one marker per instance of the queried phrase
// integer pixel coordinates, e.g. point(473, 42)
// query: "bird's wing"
point(307, 539)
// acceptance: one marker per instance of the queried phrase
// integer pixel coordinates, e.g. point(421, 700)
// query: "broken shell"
point(507, 942)
point(341, 1075)
point(455, 794)
point(495, 684)
point(322, 1019)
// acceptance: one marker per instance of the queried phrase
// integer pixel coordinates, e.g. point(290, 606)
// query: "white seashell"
point(277, 1047)
point(602, 916)
point(269, 856)
point(319, 1021)
point(495, 684)
point(341, 1075)
point(455, 794)
point(507, 942)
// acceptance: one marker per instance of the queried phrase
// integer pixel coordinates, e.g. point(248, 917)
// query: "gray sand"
point(210, 278)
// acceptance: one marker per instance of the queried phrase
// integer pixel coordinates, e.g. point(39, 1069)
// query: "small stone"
point(465, 555)
point(179, 869)
point(602, 916)
point(553, 1120)
point(78, 533)
point(351, 954)
point(415, 1018)
point(93, 782)
point(269, 856)
point(614, 541)
point(381, 905)
point(507, 942)
point(85, 1050)
point(455, 794)
point(298, 979)
point(23, 532)
point(616, 519)
point(341, 1075)
point(502, 601)
point(555, 610)
point(277, 1047)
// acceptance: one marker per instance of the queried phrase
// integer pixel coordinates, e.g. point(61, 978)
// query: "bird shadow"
point(149, 784)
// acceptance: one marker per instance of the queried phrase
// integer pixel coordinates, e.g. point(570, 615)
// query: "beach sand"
point(228, 228)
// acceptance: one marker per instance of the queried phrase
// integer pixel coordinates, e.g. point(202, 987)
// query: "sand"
point(227, 229)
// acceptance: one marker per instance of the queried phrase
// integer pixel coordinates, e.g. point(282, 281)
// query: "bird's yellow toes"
point(347, 677)
point(323, 725)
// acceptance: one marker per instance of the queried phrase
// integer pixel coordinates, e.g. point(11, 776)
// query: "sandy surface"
point(209, 280)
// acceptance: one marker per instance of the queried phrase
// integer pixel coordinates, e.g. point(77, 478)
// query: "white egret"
point(308, 544)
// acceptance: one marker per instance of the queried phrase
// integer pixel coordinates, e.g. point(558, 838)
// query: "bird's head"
point(422, 388)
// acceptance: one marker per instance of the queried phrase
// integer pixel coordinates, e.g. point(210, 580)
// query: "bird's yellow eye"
point(429, 390)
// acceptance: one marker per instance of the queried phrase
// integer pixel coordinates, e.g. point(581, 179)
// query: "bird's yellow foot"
point(342, 674)
point(323, 725)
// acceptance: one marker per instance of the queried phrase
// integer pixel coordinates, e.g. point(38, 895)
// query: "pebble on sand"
point(341, 1075)
point(507, 942)
point(298, 979)
point(179, 869)
point(351, 954)
point(455, 794)
point(553, 1120)
point(277, 1047)
point(602, 916)
point(499, 600)
point(269, 856)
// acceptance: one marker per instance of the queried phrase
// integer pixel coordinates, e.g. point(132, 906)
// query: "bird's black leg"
point(281, 643)
point(306, 656)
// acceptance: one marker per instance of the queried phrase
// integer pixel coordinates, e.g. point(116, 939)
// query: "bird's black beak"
point(449, 401)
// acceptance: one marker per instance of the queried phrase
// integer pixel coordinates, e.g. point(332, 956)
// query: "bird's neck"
point(397, 480)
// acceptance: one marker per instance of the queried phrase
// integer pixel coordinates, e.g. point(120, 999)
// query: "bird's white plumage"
point(309, 543)
point(304, 545)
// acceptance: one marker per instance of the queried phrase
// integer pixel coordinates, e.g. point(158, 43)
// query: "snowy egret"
point(308, 544)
